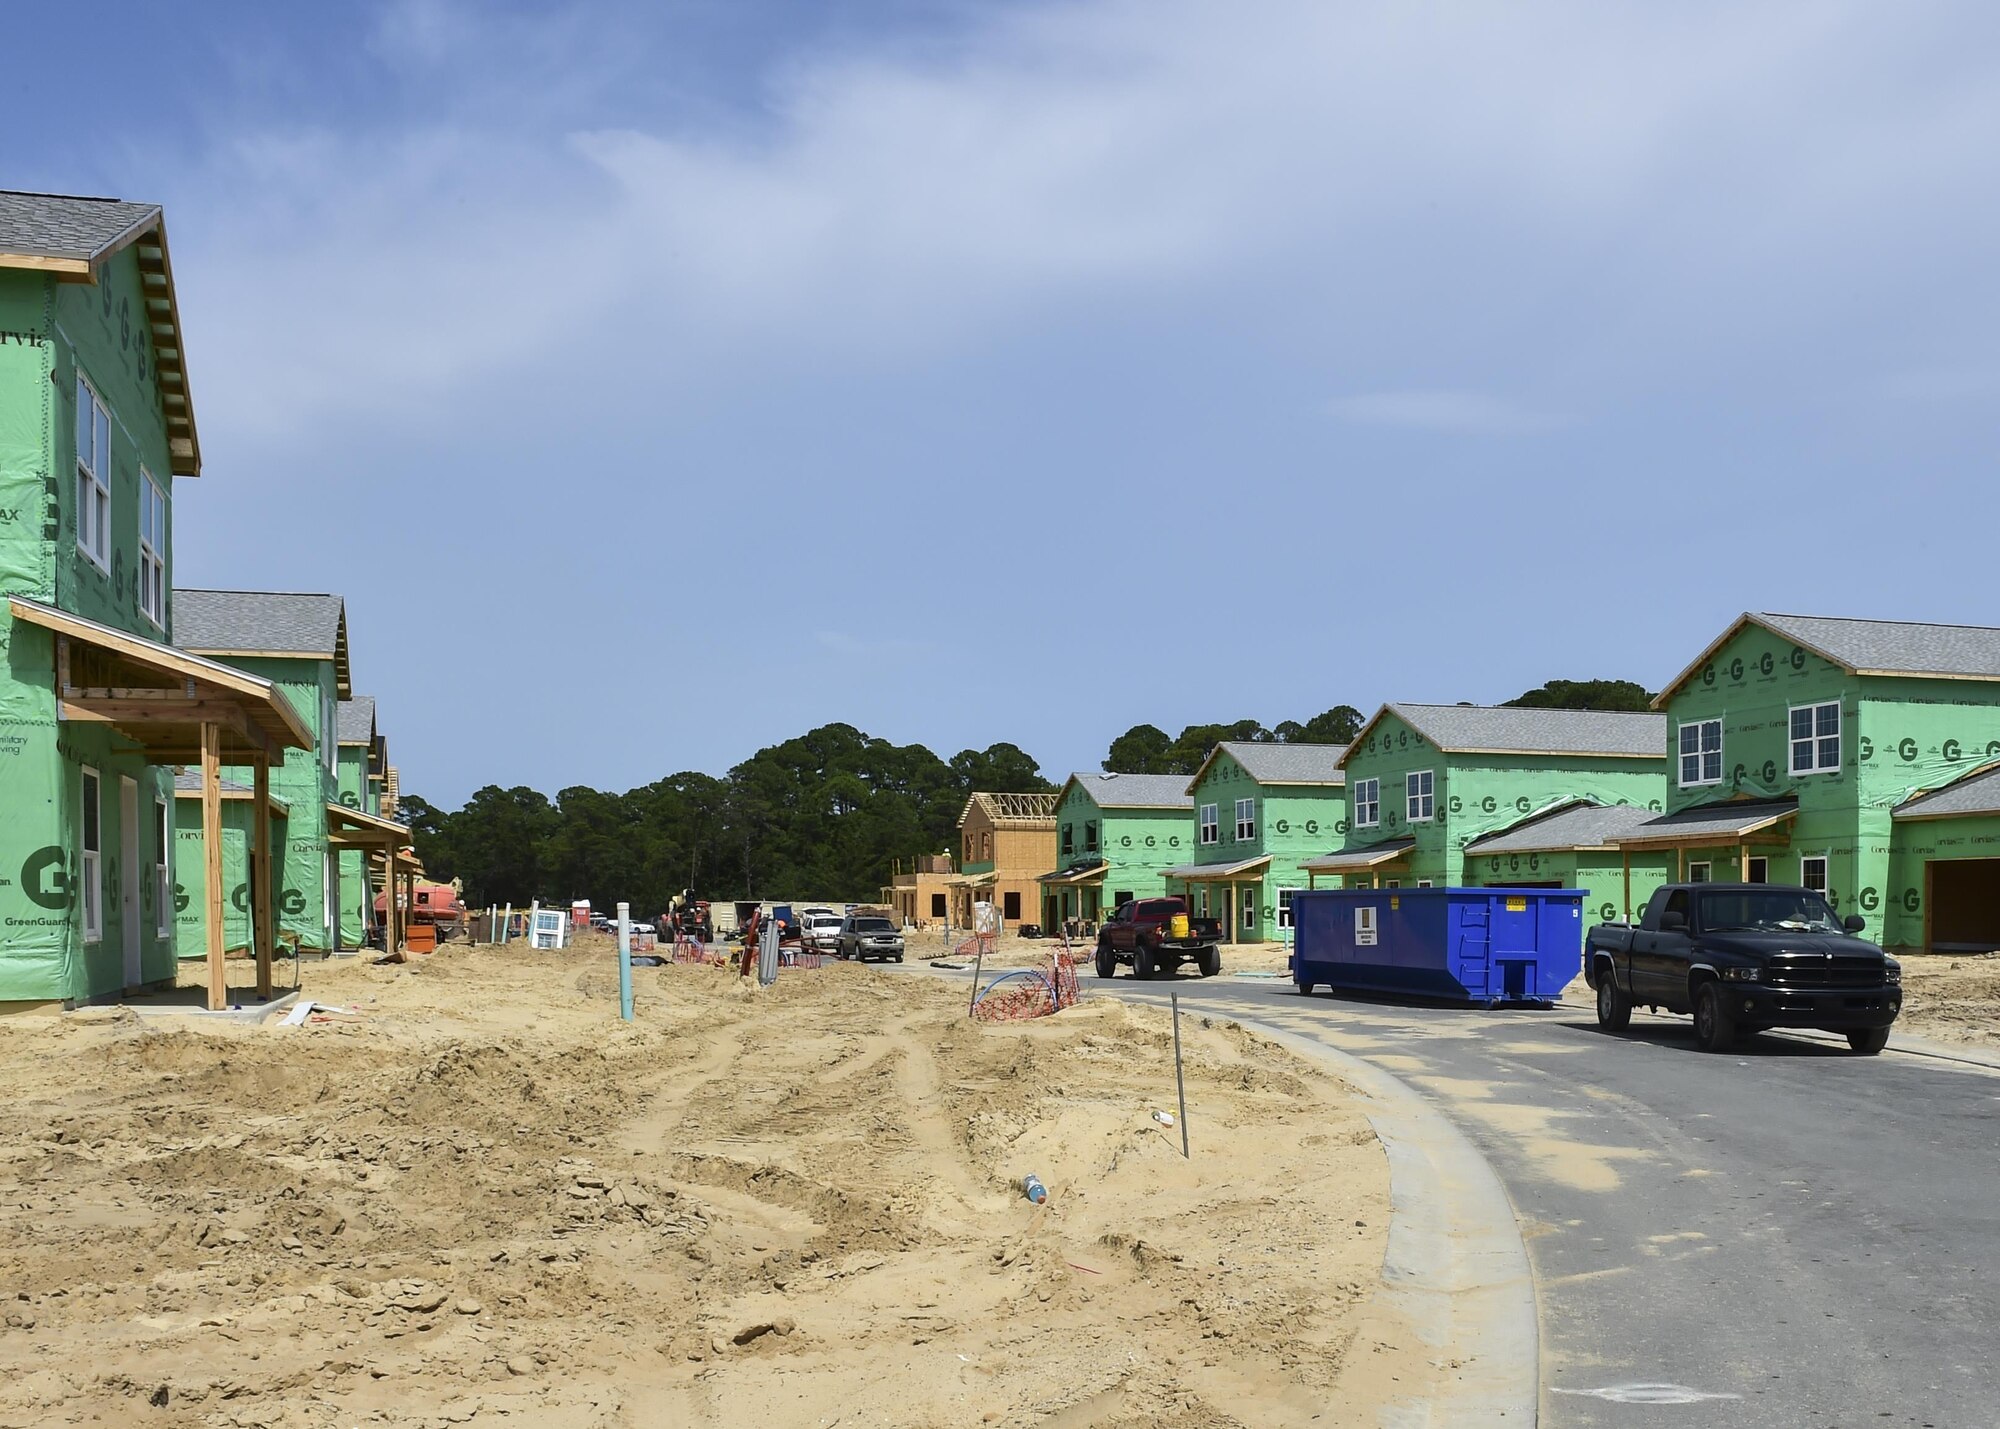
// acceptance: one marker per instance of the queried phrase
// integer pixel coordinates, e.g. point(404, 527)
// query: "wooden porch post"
point(1625, 857)
point(262, 935)
point(389, 940)
point(211, 849)
point(1743, 859)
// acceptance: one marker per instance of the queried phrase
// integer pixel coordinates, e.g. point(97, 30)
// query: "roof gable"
point(268, 623)
point(355, 720)
point(1132, 791)
point(1270, 762)
point(1011, 811)
point(72, 238)
point(1504, 729)
point(1896, 648)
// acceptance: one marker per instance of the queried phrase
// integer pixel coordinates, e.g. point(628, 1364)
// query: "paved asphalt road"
point(1787, 1235)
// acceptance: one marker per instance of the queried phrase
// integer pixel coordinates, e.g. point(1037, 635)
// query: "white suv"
point(821, 932)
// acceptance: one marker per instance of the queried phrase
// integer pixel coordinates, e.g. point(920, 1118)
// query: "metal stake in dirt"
point(507, 925)
point(1180, 1084)
point(978, 962)
point(625, 961)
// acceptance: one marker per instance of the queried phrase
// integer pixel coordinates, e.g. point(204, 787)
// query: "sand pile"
point(485, 1199)
point(1953, 998)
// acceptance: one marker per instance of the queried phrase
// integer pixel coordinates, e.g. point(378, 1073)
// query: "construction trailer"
point(1851, 756)
point(97, 706)
point(1259, 809)
point(1116, 837)
point(1426, 783)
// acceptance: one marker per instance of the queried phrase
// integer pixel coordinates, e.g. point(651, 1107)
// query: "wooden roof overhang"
point(352, 828)
point(161, 698)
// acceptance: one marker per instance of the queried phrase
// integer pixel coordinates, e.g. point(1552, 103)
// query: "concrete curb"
point(1456, 1264)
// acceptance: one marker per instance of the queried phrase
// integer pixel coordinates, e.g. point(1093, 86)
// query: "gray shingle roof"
point(1896, 646)
point(1976, 793)
point(1141, 791)
point(188, 781)
point(1468, 728)
point(62, 226)
point(1722, 823)
point(1271, 763)
point(1352, 858)
point(1577, 826)
point(355, 720)
point(257, 622)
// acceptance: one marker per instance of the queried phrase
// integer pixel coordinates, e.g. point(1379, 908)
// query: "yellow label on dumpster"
point(1517, 905)
point(1394, 904)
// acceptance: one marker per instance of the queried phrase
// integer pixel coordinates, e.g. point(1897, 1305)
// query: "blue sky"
point(971, 372)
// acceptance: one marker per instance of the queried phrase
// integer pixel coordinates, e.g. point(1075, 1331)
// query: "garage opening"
point(1965, 905)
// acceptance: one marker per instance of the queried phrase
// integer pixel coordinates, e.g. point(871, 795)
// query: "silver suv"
point(867, 935)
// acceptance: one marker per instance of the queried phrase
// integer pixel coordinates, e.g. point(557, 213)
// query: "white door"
point(128, 876)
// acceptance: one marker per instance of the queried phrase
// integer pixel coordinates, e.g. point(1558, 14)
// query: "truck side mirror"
point(1673, 922)
point(1854, 922)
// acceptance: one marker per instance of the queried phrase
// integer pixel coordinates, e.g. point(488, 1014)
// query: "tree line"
point(823, 815)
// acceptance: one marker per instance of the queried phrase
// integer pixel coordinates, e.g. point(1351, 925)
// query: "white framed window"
point(1068, 838)
point(1816, 738)
point(1246, 820)
point(152, 550)
point(1701, 753)
point(1367, 803)
point(1812, 872)
point(1700, 872)
point(1089, 837)
point(1759, 871)
point(91, 823)
point(1201, 901)
point(1417, 785)
point(1423, 883)
point(1249, 896)
point(163, 868)
point(1392, 883)
point(1285, 906)
point(1211, 827)
point(93, 475)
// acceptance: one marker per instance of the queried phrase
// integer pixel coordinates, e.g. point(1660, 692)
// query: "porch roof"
point(1349, 860)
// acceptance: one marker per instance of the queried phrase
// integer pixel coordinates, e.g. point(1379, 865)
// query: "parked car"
point(865, 935)
point(820, 931)
point(1744, 958)
point(1030, 930)
point(1156, 935)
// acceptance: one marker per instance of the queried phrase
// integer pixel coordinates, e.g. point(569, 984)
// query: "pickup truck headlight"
point(1892, 971)
point(1741, 974)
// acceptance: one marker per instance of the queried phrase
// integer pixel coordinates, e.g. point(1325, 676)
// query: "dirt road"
point(483, 1198)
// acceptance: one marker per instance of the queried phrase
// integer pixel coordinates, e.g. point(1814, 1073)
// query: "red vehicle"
point(1156, 935)
point(433, 903)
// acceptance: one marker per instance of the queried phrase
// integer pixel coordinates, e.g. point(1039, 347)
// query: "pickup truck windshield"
point(1790, 911)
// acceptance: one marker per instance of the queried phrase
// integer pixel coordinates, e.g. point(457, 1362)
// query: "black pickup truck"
point(1156, 935)
point(1745, 957)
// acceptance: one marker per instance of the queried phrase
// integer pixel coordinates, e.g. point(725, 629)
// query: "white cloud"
point(1473, 413)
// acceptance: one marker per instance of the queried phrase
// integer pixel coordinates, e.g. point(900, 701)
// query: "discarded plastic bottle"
point(1032, 1187)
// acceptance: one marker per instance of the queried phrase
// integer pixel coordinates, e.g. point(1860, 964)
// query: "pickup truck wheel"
point(1614, 1008)
point(1713, 1031)
point(1867, 1041)
point(1210, 962)
point(1143, 962)
point(1107, 964)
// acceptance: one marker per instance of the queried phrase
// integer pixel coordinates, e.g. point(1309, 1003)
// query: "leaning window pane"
point(82, 422)
point(1711, 735)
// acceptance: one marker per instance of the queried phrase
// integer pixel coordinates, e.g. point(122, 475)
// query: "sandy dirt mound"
point(1952, 998)
point(484, 1198)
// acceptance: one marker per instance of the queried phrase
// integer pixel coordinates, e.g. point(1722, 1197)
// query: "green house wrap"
point(1116, 836)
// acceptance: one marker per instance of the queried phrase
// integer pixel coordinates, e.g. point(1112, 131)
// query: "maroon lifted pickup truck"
point(1156, 935)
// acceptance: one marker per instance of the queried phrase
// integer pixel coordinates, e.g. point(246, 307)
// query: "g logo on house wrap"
point(45, 878)
point(1912, 900)
point(1766, 664)
point(1312, 826)
point(1149, 840)
point(1340, 826)
point(1993, 746)
point(1770, 770)
point(1607, 911)
point(294, 903)
point(1453, 804)
point(118, 575)
point(1906, 750)
point(349, 800)
point(1708, 673)
point(1870, 900)
point(1283, 826)
point(1403, 739)
point(1736, 775)
point(1736, 670)
point(1521, 805)
point(1514, 863)
point(1173, 840)
point(1493, 864)
point(1868, 749)
point(1798, 658)
point(1950, 751)
point(1655, 805)
point(239, 898)
point(1488, 804)
point(180, 898)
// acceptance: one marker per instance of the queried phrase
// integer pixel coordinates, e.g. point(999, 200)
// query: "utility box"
point(1483, 945)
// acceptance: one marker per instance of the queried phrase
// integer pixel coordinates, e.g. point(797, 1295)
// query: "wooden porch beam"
point(262, 935)
point(211, 848)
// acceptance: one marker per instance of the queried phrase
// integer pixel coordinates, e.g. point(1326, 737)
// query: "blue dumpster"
point(1484, 945)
